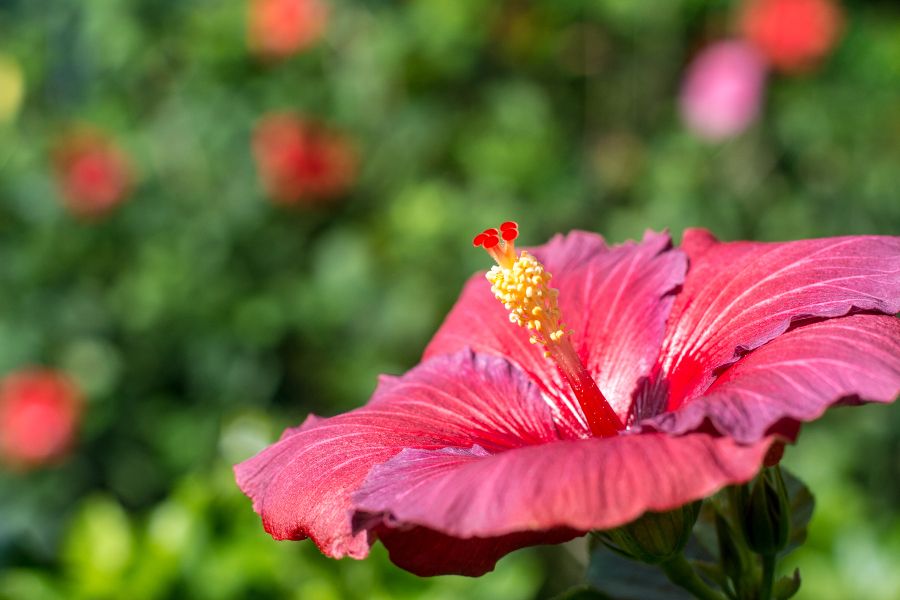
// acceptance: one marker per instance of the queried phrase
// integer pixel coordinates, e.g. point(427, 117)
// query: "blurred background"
point(216, 217)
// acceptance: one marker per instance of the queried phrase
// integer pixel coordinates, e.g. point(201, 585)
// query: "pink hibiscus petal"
point(301, 485)
point(309, 422)
point(616, 301)
point(798, 376)
point(739, 295)
point(426, 552)
point(595, 483)
point(619, 303)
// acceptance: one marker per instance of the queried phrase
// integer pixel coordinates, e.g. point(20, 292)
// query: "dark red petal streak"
point(596, 483)
point(615, 299)
point(740, 295)
point(798, 376)
point(426, 552)
point(301, 485)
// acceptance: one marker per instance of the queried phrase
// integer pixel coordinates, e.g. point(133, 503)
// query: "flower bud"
point(654, 537)
point(764, 512)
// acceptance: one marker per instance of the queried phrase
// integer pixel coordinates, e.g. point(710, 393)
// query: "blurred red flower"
point(39, 414)
point(93, 173)
point(722, 90)
point(301, 161)
point(794, 35)
point(280, 28)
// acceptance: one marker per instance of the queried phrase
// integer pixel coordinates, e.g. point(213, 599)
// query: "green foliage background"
point(200, 319)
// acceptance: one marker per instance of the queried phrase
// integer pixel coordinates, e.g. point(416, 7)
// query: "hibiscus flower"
point(40, 410)
point(640, 378)
point(280, 28)
point(300, 161)
point(723, 89)
point(794, 35)
point(93, 173)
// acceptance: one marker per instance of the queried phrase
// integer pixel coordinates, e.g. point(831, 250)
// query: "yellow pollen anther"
point(521, 285)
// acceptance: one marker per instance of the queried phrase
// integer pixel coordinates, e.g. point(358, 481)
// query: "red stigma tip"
point(490, 238)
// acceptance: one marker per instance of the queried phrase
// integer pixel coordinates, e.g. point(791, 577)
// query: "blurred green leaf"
point(99, 548)
point(802, 503)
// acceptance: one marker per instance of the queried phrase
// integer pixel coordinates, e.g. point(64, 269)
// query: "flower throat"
point(520, 283)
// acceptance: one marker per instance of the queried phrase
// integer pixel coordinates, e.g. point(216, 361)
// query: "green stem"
point(680, 572)
point(768, 576)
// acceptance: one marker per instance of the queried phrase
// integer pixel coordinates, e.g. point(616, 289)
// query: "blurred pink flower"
point(280, 28)
point(301, 161)
point(722, 90)
point(39, 414)
point(92, 172)
point(793, 35)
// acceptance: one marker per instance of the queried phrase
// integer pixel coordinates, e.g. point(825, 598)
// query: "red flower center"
point(521, 284)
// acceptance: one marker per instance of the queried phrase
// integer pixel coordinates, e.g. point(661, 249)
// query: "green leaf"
point(622, 579)
point(802, 503)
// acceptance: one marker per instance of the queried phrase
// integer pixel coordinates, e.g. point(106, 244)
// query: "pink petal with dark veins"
point(616, 301)
point(581, 485)
point(797, 376)
point(739, 295)
point(301, 485)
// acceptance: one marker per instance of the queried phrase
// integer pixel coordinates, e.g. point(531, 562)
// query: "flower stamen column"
point(521, 284)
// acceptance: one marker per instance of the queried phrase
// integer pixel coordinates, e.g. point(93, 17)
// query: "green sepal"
point(787, 586)
point(764, 512)
point(736, 561)
point(654, 537)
